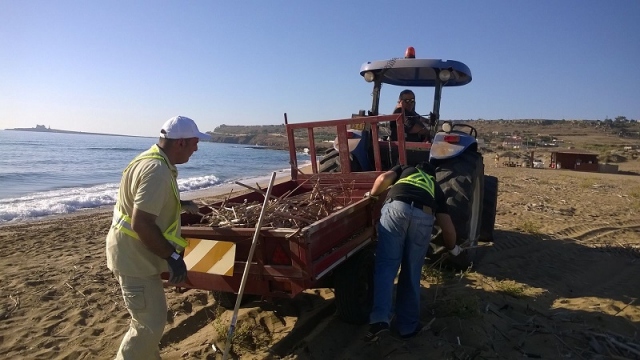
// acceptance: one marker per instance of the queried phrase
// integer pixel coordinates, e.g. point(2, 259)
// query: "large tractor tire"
point(489, 208)
point(353, 283)
point(461, 179)
point(331, 163)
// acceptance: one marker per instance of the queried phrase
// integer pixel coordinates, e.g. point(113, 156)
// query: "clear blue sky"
point(126, 66)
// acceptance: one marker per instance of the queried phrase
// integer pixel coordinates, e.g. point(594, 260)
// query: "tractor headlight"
point(444, 75)
point(447, 127)
point(369, 76)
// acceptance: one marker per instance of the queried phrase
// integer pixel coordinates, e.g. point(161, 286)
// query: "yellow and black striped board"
point(210, 256)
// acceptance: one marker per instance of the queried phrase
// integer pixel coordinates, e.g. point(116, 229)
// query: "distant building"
point(514, 142)
point(574, 159)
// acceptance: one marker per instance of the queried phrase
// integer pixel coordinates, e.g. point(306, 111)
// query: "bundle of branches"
point(285, 211)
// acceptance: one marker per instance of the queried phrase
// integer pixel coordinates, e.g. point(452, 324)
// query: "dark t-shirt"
point(411, 118)
point(411, 193)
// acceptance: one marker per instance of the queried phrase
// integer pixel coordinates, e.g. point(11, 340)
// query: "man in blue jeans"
point(404, 232)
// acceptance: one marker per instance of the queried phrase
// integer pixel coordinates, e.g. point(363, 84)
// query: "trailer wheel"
point(353, 283)
point(228, 300)
point(225, 299)
point(489, 208)
point(461, 179)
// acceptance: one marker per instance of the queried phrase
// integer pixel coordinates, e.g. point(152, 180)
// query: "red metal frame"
point(343, 149)
point(316, 249)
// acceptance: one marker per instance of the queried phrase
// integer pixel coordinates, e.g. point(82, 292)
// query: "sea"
point(44, 174)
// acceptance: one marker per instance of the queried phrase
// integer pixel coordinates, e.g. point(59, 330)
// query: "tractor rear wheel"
point(461, 179)
point(330, 162)
point(489, 208)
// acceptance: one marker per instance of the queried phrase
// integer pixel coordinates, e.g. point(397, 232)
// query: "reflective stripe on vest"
point(420, 179)
point(122, 221)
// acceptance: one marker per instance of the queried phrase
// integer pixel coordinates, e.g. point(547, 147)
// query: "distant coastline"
point(42, 128)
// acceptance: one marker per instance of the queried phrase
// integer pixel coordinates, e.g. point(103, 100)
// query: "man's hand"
point(177, 268)
point(189, 207)
point(368, 195)
point(459, 258)
point(455, 251)
point(448, 230)
point(433, 119)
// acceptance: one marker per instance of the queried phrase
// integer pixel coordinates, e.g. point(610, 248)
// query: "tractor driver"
point(416, 127)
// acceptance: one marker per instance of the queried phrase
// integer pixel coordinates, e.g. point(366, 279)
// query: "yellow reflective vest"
point(122, 221)
point(422, 180)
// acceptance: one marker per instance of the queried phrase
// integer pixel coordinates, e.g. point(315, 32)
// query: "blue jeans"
point(404, 233)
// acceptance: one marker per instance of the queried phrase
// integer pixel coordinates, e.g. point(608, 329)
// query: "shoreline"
point(195, 195)
point(224, 189)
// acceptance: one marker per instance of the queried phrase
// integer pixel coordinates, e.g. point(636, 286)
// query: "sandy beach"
point(560, 281)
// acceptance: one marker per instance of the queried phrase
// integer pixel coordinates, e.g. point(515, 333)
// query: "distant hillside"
point(272, 136)
point(586, 134)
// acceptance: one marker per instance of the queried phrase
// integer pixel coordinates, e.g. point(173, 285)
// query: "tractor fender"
point(358, 148)
point(441, 149)
point(358, 144)
point(361, 153)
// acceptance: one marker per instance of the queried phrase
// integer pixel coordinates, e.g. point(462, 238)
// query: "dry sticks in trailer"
point(284, 212)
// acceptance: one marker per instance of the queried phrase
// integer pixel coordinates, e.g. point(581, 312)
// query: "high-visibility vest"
point(122, 221)
point(421, 180)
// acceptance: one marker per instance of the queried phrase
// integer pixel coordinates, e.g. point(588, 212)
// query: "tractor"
point(451, 148)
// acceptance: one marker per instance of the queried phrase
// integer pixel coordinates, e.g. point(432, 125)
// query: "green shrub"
point(530, 227)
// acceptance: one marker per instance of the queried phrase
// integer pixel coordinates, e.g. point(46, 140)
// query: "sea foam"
point(69, 200)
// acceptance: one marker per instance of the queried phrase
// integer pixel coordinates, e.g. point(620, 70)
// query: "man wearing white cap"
point(144, 239)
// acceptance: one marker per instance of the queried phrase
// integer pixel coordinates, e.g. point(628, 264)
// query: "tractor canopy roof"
point(411, 72)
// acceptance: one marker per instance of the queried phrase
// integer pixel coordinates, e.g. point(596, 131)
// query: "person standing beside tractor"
point(415, 127)
point(144, 239)
point(404, 233)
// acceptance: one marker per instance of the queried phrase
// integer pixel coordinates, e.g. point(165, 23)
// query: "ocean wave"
point(69, 200)
point(115, 149)
point(198, 183)
point(56, 202)
point(23, 175)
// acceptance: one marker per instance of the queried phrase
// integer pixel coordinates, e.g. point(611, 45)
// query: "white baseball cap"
point(181, 127)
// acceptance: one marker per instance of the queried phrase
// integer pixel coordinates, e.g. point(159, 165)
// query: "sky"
point(125, 67)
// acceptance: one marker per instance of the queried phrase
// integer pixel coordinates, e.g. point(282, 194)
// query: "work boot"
point(375, 330)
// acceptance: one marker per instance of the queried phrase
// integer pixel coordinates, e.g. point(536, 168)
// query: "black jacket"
point(411, 119)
